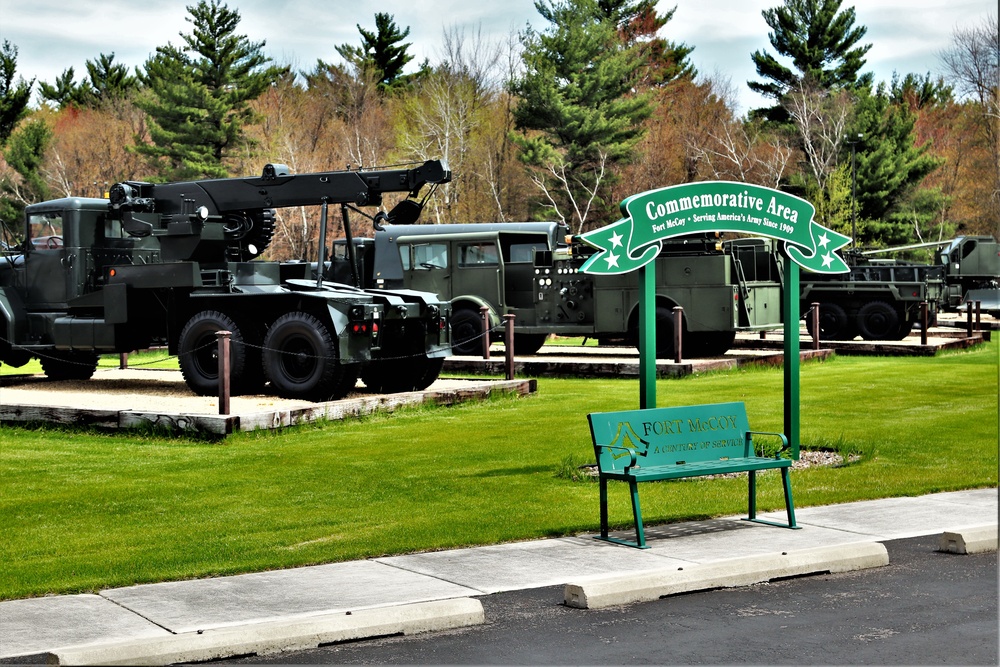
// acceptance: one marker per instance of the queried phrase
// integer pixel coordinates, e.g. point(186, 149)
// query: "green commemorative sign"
point(713, 206)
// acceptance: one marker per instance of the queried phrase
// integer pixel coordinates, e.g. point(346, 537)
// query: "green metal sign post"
point(632, 243)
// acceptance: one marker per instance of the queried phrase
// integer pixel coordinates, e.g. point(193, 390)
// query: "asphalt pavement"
point(265, 612)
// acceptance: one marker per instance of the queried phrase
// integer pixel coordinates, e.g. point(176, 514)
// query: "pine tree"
point(14, 96)
point(382, 54)
point(889, 164)
point(198, 98)
point(107, 81)
point(24, 152)
point(821, 42)
point(639, 25)
point(578, 111)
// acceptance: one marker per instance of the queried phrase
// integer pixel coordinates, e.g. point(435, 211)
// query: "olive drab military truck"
point(172, 264)
point(532, 271)
point(880, 299)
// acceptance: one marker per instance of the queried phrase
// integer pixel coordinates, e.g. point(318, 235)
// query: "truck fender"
point(13, 321)
point(474, 302)
point(662, 301)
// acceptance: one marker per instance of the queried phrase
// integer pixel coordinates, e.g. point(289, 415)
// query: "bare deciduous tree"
point(974, 65)
point(820, 117)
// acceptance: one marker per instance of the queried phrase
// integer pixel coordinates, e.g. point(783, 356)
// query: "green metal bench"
point(670, 443)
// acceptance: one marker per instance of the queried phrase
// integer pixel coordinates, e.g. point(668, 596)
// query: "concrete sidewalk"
point(271, 611)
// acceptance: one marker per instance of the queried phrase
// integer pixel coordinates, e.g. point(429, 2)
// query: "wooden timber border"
point(15, 408)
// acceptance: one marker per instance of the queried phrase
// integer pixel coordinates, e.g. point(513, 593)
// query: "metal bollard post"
point(678, 332)
point(484, 312)
point(979, 324)
point(508, 323)
point(924, 322)
point(224, 370)
point(968, 328)
point(122, 360)
point(814, 314)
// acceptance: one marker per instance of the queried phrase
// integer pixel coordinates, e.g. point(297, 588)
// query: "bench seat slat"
point(699, 468)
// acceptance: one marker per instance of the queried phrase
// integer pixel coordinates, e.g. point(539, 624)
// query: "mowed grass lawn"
point(82, 510)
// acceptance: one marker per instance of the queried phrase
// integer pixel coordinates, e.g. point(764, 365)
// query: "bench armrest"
point(624, 451)
point(784, 440)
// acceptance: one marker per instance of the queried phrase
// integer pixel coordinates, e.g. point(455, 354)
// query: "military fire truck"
point(531, 270)
point(173, 264)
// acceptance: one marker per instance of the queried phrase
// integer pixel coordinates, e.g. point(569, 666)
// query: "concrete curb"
point(646, 586)
point(273, 636)
point(969, 540)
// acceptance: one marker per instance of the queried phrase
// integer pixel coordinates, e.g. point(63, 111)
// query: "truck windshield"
point(46, 230)
point(424, 256)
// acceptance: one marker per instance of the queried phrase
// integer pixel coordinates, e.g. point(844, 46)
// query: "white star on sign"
point(612, 260)
point(824, 240)
point(827, 260)
point(616, 240)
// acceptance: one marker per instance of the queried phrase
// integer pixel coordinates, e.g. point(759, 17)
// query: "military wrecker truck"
point(880, 299)
point(172, 264)
point(531, 270)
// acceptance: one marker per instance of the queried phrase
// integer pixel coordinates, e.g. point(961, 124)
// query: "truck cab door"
point(426, 267)
point(47, 260)
point(481, 269)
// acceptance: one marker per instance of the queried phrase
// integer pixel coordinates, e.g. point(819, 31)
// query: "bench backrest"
point(662, 436)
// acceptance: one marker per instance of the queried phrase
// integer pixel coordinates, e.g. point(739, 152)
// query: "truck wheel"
point(411, 374)
point(905, 327)
point(300, 359)
point(466, 332)
point(833, 322)
point(529, 343)
point(664, 332)
point(69, 364)
point(701, 344)
point(877, 320)
point(198, 353)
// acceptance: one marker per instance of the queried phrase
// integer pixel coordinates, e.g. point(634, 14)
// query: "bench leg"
point(604, 508)
point(789, 505)
point(640, 532)
point(786, 485)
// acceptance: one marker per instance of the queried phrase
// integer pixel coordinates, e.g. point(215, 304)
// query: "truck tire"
point(664, 332)
point(877, 320)
point(198, 353)
point(833, 322)
point(411, 374)
point(300, 360)
point(702, 344)
point(249, 233)
point(69, 364)
point(529, 343)
point(466, 332)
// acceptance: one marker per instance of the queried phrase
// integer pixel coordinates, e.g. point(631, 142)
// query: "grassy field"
point(84, 510)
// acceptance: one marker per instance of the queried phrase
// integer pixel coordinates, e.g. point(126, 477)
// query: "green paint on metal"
point(791, 358)
point(647, 336)
point(690, 441)
point(692, 208)
point(633, 243)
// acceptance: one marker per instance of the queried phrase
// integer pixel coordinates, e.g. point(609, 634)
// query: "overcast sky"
point(907, 36)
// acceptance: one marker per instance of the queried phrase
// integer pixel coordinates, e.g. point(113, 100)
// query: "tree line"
point(556, 123)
